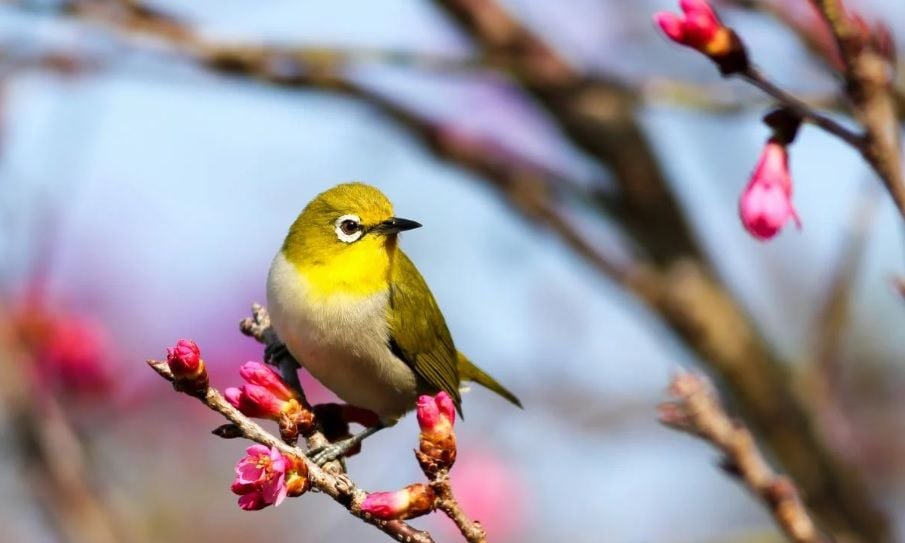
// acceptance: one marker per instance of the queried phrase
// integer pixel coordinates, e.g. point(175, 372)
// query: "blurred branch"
point(869, 87)
point(597, 115)
point(813, 38)
point(695, 409)
point(711, 99)
point(52, 456)
point(681, 287)
point(834, 311)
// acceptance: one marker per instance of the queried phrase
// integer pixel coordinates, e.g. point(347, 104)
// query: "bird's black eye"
point(349, 227)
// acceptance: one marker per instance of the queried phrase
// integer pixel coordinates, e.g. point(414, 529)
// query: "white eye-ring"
point(348, 228)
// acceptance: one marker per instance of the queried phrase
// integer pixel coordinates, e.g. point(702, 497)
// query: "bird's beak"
point(394, 225)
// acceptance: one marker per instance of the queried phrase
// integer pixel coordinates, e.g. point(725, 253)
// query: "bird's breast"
point(342, 340)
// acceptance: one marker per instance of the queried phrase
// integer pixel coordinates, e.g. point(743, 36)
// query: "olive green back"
point(418, 332)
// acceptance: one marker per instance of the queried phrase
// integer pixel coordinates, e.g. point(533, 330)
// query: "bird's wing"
point(418, 332)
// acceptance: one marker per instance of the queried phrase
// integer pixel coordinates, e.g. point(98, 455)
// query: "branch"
point(51, 453)
point(338, 487)
point(696, 410)
point(446, 502)
point(869, 87)
point(759, 80)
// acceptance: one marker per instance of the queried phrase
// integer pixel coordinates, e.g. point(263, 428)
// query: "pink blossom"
point(437, 442)
point(74, 356)
point(256, 401)
point(184, 359)
point(698, 27)
point(259, 374)
point(436, 414)
point(260, 478)
point(409, 502)
point(766, 203)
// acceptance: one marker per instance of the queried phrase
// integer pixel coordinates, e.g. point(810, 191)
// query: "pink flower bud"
point(255, 401)
point(437, 447)
point(412, 501)
point(437, 414)
point(184, 359)
point(189, 374)
point(257, 373)
point(698, 28)
point(766, 204)
point(260, 478)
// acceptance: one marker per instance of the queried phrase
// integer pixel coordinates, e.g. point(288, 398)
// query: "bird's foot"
point(274, 351)
point(332, 451)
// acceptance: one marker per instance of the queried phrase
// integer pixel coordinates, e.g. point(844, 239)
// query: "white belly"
point(342, 342)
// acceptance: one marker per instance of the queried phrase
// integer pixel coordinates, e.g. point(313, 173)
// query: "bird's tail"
point(470, 372)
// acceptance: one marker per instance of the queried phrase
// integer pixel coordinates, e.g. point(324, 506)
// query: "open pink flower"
point(766, 204)
point(698, 27)
point(260, 478)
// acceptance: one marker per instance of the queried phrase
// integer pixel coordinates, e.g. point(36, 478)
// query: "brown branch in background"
point(681, 286)
point(338, 487)
point(834, 311)
point(695, 409)
point(51, 454)
point(869, 88)
point(813, 39)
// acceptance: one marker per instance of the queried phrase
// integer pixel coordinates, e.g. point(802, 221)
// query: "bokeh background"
point(142, 196)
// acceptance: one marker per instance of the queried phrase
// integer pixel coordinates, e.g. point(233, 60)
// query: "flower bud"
point(184, 361)
point(297, 482)
point(699, 28)
point(436, 414)
point(259, 374)
point(410, 502)
point(766, 204)
point(255, 401)
point(437, 447)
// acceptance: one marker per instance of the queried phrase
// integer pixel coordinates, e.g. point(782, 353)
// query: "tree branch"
point(696, 410)
point(338, 487)
point(869, 87)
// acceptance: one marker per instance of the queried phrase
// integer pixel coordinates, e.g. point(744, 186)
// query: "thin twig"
point(758, 79)
point(696, 410)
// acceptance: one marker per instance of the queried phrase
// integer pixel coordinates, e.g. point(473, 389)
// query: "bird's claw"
point(331, 451)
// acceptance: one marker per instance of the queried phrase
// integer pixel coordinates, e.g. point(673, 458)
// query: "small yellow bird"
point(352, 308)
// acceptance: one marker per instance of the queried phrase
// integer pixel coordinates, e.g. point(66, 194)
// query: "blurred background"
point(153, 155)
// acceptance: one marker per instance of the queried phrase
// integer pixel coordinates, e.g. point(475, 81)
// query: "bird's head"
point(348, 231)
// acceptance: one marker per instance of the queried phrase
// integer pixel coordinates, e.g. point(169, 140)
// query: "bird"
point(354, 311)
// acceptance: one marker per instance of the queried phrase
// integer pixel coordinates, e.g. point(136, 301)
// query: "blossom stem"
point(759, 80)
